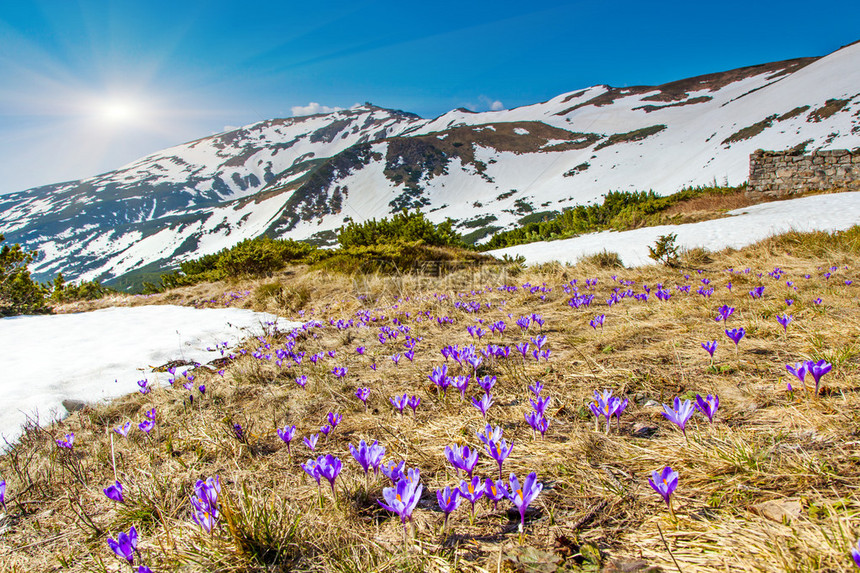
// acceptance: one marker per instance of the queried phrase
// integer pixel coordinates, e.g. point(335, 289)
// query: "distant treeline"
point(619, 211)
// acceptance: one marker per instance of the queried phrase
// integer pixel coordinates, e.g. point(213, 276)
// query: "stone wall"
point(782, 173)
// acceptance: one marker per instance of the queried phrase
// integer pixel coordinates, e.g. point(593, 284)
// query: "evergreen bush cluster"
point(19, 293)
point(261, 256)
point(61, 291)
point(403, 227)
point(619, 211)
point(404, 241)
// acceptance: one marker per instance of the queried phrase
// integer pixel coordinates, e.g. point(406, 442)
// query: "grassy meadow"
point(770, 485)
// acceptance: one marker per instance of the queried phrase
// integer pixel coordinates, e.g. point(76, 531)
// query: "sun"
point(118, 112)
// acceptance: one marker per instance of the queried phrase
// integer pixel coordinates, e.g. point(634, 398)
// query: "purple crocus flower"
point(539, 404)
point(334, 419)
point(67, 442)
point(449, 500)
point(125, 545)
point(724, 312)
point(3, 494)
point(617, 407)
point(708, 406)
point(855, 554)
point(238, 431)
point(680, 413)
point(757, 292)
point(536, 388)
point(487, 383)
point(113, 492)
point(363, 394)
point(329, 467)
point(312, 470)
point(784, 320)
point(472, 490)
point(474, 361)
point(542, 426)
point(413, 403)
point(597, 321)
point(539, 341)
point(602, 407)
point(399, 402)
point(461, 383)
point(523, 349)
point(287, 433)
point(818, 369)
point(499, 451)
point(402, 499)
point(736, 334)
point(483, 404)
point(710, 347)
point(490, 434)
point(206, 494)
point(325, 430)
point(799, 371)
point(522, 496)
point(462, 458)
point(665, 483)
point(533, 419)
point(339, 372)
point(368, 456)
point(494, 491)
point(302, 381)
point(311, 441)
point(123, 430)
point(394, 471)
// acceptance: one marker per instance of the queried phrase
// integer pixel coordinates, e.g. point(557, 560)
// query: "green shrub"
point(261, 256)
point(19, 294)
point(665, 250)
point(604, 260)
point(68, 292)
point(403, 227)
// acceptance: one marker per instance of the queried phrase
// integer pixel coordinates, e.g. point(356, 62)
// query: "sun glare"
point(118, 112)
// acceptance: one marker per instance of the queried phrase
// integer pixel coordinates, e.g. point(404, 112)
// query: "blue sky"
point(90, 85)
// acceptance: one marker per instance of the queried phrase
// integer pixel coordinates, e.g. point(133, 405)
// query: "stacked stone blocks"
point(784, 173)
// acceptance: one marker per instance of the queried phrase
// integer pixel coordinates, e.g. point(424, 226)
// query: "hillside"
point(305, 177)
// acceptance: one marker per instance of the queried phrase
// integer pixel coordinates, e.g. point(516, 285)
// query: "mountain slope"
point(305, 177)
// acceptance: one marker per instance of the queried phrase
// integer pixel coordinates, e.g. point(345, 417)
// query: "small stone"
point(74, 405)
point(641, 430)
point(781, 511)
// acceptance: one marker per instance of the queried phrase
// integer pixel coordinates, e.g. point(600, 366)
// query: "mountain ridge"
point(304, 177)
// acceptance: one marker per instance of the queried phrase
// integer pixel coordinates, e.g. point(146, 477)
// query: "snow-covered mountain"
point(305, 177)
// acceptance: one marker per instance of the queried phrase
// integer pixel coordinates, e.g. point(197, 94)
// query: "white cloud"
point(490, 103)
point(313, 108)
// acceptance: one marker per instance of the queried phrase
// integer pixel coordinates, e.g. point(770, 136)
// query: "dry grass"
point(596, 510)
